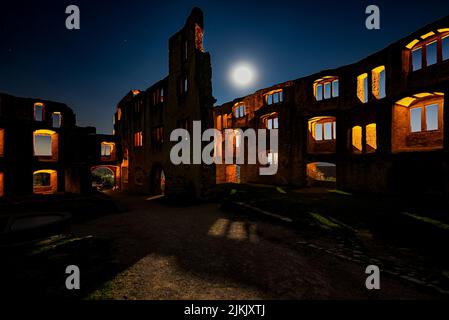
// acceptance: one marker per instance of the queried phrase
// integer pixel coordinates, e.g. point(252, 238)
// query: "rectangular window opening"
point(335, 88)
point(417, 59)
point(432, 53)
point(319, 132)
point(445, 48)
point(432, 117)
point(416, 120)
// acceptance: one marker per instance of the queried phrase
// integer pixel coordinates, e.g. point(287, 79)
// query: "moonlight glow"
point(243, 75)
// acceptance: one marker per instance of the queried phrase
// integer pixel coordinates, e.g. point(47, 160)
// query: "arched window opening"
point(322, 135)
point(326, 88)
point(418, 123)
point(45, 182)
point(430, 49)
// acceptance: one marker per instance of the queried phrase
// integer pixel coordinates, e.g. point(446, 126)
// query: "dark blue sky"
point(124, 45)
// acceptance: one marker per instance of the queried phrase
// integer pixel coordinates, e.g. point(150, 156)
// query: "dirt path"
point(200, 252)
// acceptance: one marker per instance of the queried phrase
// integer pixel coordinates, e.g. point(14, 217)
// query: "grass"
point(280, 190)
point(340, 192)
point(427, 220)
point(324, 221)
point(54, 243)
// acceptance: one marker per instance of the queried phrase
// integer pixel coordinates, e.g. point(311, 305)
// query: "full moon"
point(242, 75)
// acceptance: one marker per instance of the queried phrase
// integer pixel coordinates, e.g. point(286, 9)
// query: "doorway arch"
point(321, 174)
point(104, 177)
point(157, 180)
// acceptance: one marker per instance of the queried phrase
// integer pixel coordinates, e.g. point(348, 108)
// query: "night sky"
point(124, 45)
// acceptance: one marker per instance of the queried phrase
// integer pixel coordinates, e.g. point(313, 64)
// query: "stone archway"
point(114, 170)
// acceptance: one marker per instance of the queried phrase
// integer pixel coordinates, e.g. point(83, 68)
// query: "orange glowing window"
point(357, 140)
point(378, 82)
point(39, 111)
point(119, 114)
point(138, 139)
point(362, 87)
point(219, 125)
point(45, 182)
point(107, 149)
point(371, 138)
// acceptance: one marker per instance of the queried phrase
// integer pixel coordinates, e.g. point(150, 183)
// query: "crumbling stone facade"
point(377, 125)
point(382, 121)
point(145, 119)
point(43, 151)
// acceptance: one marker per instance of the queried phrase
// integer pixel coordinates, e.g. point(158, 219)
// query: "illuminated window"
point(362, 87)
point(107, 150)
point(39, 112)
point(326, 88)
point(371, 138)
point(46, 145)
point(378, 82)
point(319, 132)
point(445, 48)
point(418, 124)
point(432, 53)
point(240, 111)
point(42, 145)
point(416, 120)
point(357, 139)
point(430, 49)
point(319, 92)
point(56, 119)
point(325, 130)
point(119, 114)
point(138, 139)
point(328, 131)
point(275, 97)
point(45, 182)
point(432, 117)
point(335, 88)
